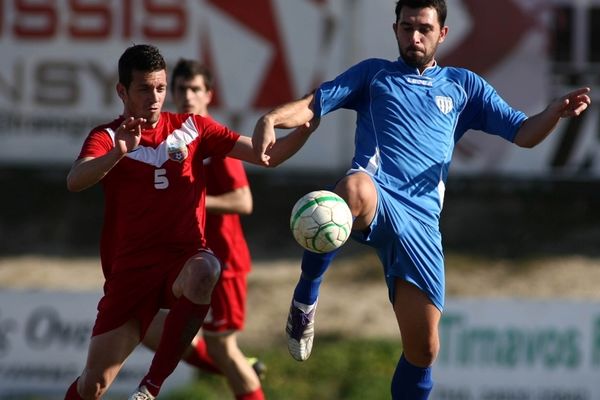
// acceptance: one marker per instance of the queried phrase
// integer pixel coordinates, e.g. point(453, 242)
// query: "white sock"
point(304, 307)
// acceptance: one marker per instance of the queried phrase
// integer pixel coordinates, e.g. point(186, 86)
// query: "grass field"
point(339, 369)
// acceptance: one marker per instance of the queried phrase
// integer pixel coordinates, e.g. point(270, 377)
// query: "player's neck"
point(147, 125)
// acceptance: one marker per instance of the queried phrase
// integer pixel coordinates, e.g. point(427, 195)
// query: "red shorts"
point(139, 293)
point(227, 306)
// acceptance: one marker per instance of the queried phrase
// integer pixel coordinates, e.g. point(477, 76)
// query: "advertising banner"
point(44, 338)
point(517, 349)
point(491, 349)
point(58, 69)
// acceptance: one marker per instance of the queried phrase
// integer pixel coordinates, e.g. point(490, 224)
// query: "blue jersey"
point(408, 123)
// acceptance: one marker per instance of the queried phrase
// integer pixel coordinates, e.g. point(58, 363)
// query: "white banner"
point(491, 349)
point(43, 345)
point(58, 68)
point(518, 350)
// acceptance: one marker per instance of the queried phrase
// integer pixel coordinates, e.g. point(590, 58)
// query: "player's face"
point(418, 33)
point(145, 96)
point(191, 96)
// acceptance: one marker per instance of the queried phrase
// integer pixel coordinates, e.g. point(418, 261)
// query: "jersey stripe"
point(187, 133)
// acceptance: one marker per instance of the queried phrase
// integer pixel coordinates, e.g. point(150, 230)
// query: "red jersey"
point(155, 196)
point(224, 233)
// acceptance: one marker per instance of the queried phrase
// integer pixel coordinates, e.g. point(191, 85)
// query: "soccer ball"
point(321, 221)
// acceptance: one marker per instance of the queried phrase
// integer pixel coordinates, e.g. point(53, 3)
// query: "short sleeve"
point(97, 144)
point(216, 139)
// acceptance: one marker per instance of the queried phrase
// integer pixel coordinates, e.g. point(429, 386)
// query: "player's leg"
point(240, 375)
point(418, 319)
point(195, 355)
point(228, 309)
point(192, 287)
point(106, 354)
point(359, 192)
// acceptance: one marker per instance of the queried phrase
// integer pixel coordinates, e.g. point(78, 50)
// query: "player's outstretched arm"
point(536, 128)
point(88, 171)
point(281, 150)
point(237, 201)
point(288, 145)
point(289, 115)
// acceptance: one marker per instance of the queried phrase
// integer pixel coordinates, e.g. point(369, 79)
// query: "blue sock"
point(411, 382)
point(313, 267)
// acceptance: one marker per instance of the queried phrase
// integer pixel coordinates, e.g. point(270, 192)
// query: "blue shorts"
point(408, 248)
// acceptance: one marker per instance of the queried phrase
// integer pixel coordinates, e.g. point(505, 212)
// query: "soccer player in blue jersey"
point(410, 113)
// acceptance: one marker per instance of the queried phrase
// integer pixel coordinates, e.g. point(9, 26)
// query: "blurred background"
point(57, 81)
point(58, 73)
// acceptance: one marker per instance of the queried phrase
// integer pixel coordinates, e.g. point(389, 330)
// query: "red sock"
point(181, 325)
point(72, 393)
point(200, 359)
point(255, 395)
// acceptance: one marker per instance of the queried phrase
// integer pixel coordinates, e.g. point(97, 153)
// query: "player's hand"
point(128, 134)
point(572, 104)
point(263, 139)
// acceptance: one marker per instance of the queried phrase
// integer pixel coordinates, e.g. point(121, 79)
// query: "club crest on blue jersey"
point(444, 103)
point(176, 149)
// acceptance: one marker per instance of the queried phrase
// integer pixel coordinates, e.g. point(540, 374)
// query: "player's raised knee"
point(361, 196)
point(357, 189)
point(201, 274)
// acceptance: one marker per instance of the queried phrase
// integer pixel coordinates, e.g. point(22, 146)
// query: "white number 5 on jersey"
point(160, 179)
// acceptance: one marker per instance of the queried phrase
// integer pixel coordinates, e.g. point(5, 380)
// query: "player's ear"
point(443, 33)
point(121, 91)
point(209, 96)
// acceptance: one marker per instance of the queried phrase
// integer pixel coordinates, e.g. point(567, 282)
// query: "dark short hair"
point(189, 69)
point(438, 5)
point(139, 57)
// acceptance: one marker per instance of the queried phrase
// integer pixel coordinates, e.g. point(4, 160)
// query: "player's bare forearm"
point(289, 145)
point(280, 150)
point(238, 201)
point(86, 172)
point(536, 128)
point(292, 114)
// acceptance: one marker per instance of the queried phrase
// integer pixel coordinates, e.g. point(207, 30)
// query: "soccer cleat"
point(300, 330)
point(142, 394)
point(258, 366)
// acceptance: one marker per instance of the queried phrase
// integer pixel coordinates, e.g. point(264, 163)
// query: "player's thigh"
point(360, 193)
point(418, 319)
point(198, 276)
point(107, 353)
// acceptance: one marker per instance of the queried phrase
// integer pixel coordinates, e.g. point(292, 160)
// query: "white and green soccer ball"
point(321, 221)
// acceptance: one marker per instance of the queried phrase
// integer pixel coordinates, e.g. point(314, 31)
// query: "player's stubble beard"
point(416, 59)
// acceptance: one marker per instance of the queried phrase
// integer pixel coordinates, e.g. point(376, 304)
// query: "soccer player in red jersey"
point(228, 196)
point(153, 248)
